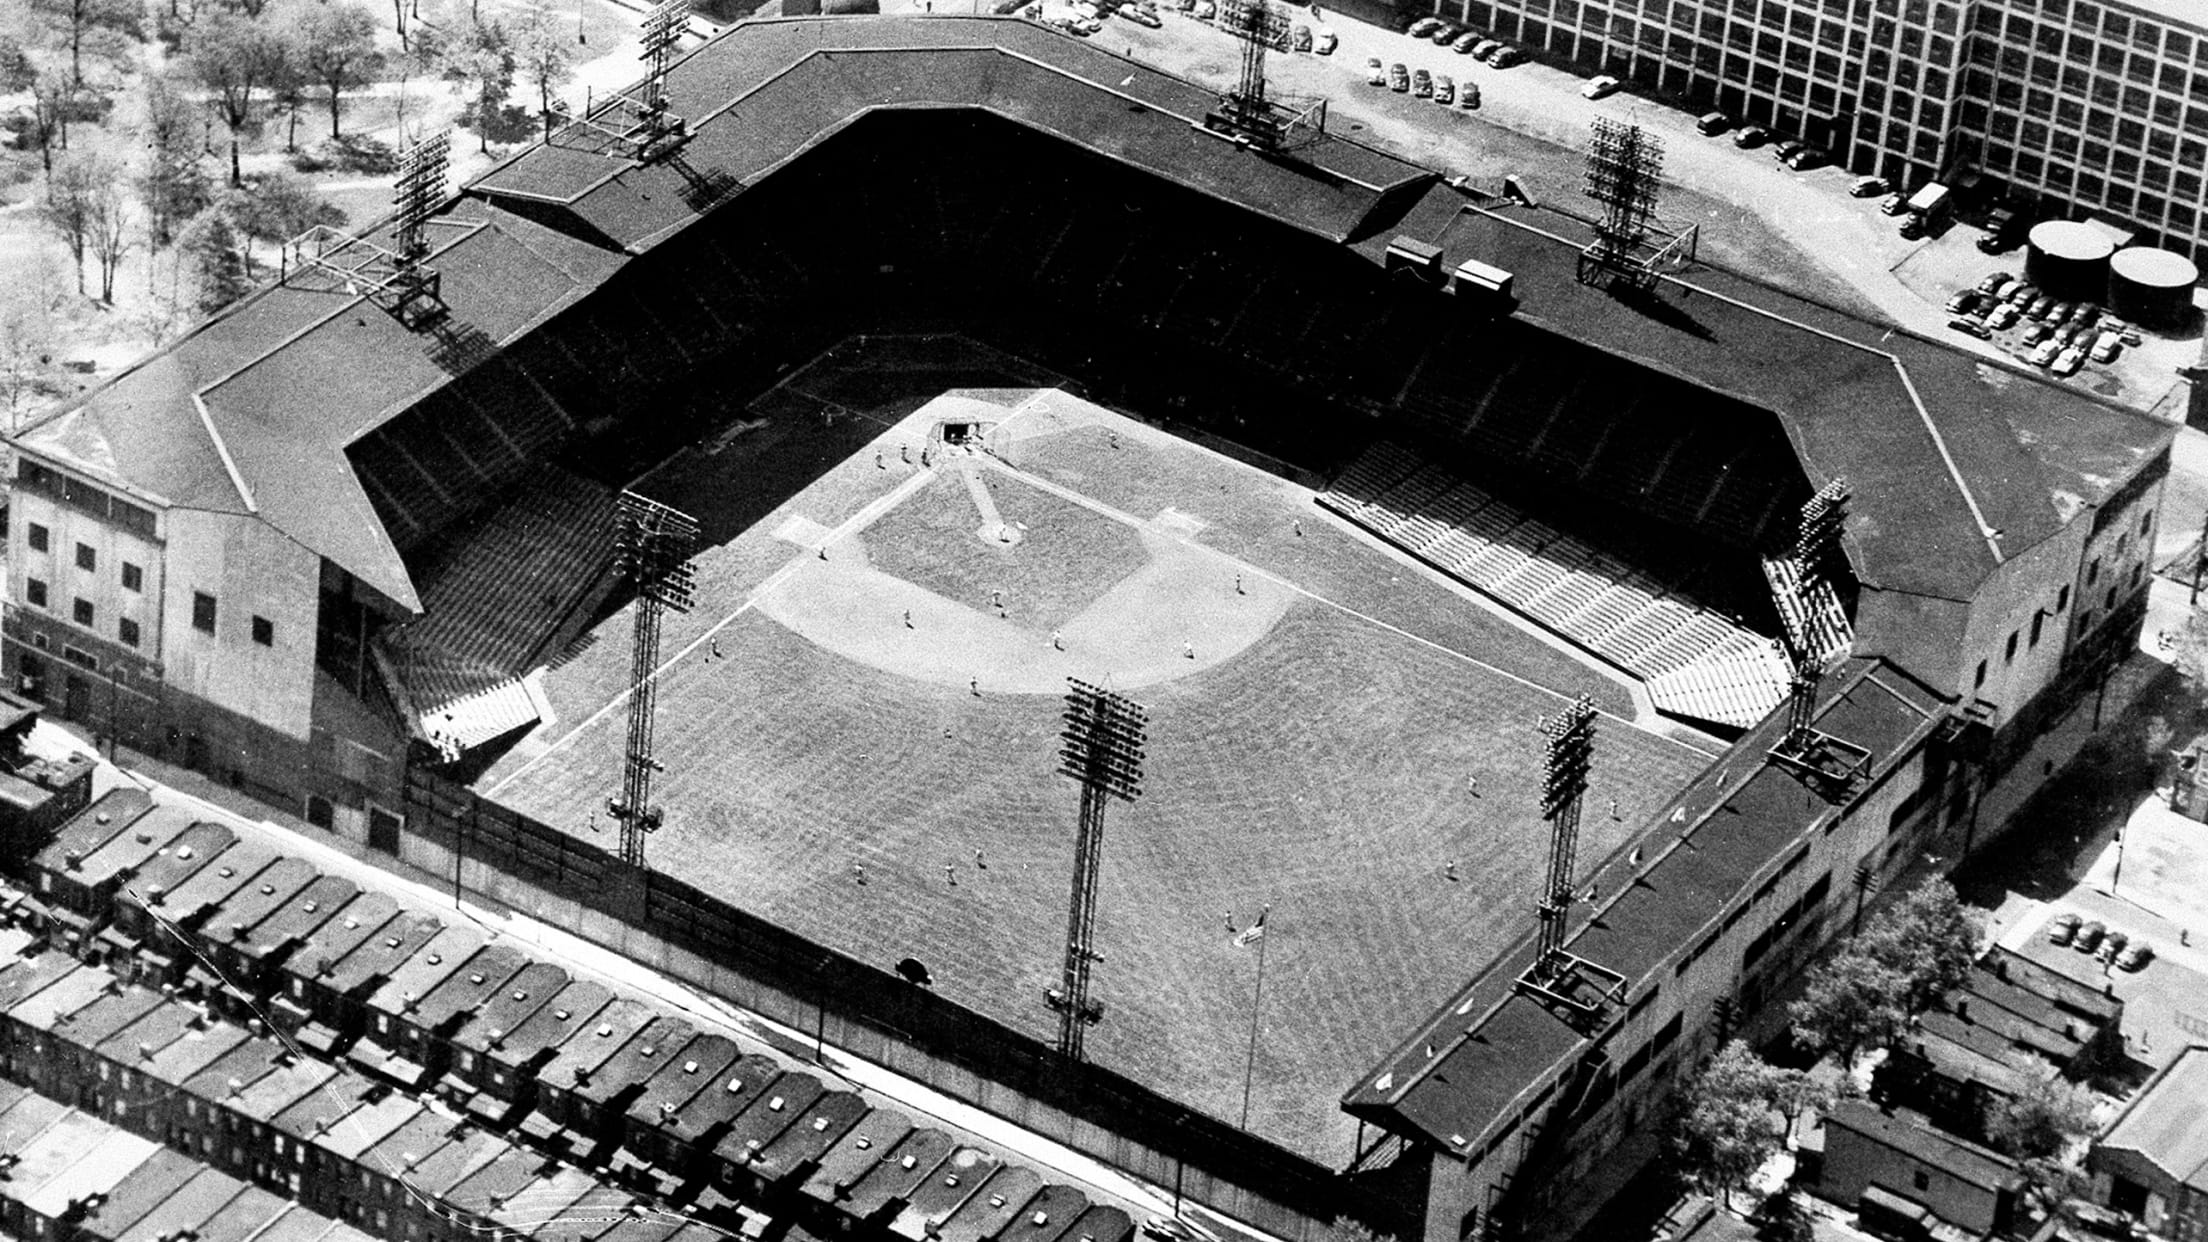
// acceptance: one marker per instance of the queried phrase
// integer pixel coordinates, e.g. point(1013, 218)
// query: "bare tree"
point(236, 58)
point(337, 49)
point(547, 62)
point(26, 362)
point(106, 217)
point(49, 112)
point(172, 187)
point(482, 62)
point(103, 26)
point(67, 208)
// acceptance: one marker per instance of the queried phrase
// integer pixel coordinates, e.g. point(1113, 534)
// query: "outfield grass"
point(1321, 767)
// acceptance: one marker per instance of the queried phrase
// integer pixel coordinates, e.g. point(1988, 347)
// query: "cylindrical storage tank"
point(2068, 260)
point(2151, 287)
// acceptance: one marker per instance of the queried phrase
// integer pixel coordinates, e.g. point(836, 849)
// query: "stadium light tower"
point(398, 279)
point(1570, 986)
point(652, 546)
point(1814, 630)
point(1249, 112)
point(1624, 167)
point(1101, 747)
point(642, 125)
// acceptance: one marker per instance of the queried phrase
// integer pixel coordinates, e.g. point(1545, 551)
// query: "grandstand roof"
point(1957, 463)
point(1489, 1056)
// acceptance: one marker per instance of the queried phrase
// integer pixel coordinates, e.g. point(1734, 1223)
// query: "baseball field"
point(858, 723)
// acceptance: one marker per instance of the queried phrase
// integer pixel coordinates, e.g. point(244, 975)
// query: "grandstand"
point(1524, 500)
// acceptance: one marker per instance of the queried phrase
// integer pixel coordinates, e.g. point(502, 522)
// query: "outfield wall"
point(504, 858)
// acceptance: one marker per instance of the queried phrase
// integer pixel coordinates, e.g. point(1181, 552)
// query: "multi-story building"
point(2075, 106)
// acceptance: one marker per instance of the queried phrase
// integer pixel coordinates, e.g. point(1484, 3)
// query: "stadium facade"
point(217, 556)
point(2077, 107)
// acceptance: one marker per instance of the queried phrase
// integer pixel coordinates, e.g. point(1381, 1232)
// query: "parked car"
point(1994, 283)
point(1325, 41)
point(1970, 327)
point(1466, 42)
point(2039, 307)
point(1485, 48)
point(2106, 346)
point(1445, 34)
point(2136, 956)
point(1422, 84)
point(1140, 16)
point(1399, 78)
point(1300, 41)
point(1893, 204)
point(2021, 293)
point(2086, 312)
point(1786, 150)
point(1867, 187)
point(1377, 73)
point(1712, 123)
point(2003, 316)
point(2043, 354)
point(1445, 89)
point(2034, 333)
point(1172, 1229)
point(1601, 86)
point(1963, 303)
point(2068, 361)
point(1423, 26)
point(1751, 136)
point(2089, 937)
point(2059, 312)
point(2062, 928)
point(1912, 227)
point(1468, 96)
point(1506, 57)
point(2111, 945)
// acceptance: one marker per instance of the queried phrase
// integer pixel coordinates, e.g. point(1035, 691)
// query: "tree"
point(2042, 1120)
point(210, 246)
point(547, 61)
point(104, 26)
point(1726, 1125)
point(236, 58)
point(337, 49)
point(67, 207)
point(1850, 1003)
point(1786, 1218)
point(172, 188)
point(481, 60)
point(1930, 937)
point(106, 217)
point(16, 71)
point(26, 363)
point(50, 100)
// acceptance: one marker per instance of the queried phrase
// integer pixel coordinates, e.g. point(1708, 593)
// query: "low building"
point(599, 1104)
point(1960, 1182)
point(491, 1025)
point(660, 1119)
point(135, 1197)
point(575, 1067)
point(2152, 1163)
point(285, 931)
point(389, 1011)
point(423, 1032)
point(49, 1208)
point(764, 1119)
point(309, 1002)
point(781, 1165)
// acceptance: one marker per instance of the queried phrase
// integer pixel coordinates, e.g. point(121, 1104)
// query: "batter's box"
point(1172, 521)
point(803, 531)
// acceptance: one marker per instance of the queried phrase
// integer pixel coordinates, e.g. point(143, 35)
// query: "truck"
point(1930, 204)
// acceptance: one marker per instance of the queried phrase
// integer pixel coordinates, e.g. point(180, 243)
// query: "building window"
point(35, 591)
point(264, 631)
point(87, 559)
point(81, 612)
point(1922, 1179)
point(134, 578)
point(2010, 654)
point(40, 540)
point(2062, 599)
point(319, 811)
point(128, 630)
point(203, 612)
point(2146, 524)
point(1980, 680)
point(2093, 572)
point(2038, 619)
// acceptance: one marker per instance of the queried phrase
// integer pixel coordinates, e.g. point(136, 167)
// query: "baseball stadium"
point(982, 363)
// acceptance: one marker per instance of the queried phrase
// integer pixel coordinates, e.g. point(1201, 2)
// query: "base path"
point(1138, 631)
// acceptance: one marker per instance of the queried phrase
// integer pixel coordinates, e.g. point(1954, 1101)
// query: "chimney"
point(1962, 1008)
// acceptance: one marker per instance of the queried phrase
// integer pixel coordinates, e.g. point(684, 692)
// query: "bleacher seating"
point(1703, 662)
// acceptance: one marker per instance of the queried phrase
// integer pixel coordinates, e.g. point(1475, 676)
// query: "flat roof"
point(546, 1196)
point(184, 1057)
point(663, 1038)
point(227, 1077)
point(768, 1116)
point(109, 816)
point(992, 1207)
point(331, 941)
point(317, 1111)
point(503, 1017)
point(191, 1205)
point(1049, 1216)
point(854, 1155)
point(119, 1155)
point(591, 1046)
point(1935, 1148)
point(437, 959)
point(26, 978)
point(65, 995)
point(809, 1136)
point(495, 1181)
point(359, 1129)
point(545, 1032)
point(901, 1171)
point(474, 984)
point(671, 1088)
point(176, 862)
point(237, 920)
point(72, 1136)
point(957, 1179)
point(245, 1216)
point(290, 925)
point(148, 1187)
point(377, 955)
point(274, 1092)
point(2078, 997)
point(213, 884)
point(2164, 1123)
point(96, 1023)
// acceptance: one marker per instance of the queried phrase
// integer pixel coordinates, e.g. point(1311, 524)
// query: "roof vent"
point(226, 871)
point(950, 1179)
point(184, 852)
point(689, 1067)
point(863, 1142)
point(735, 1085)
point(435, 959)
point(996, 1201)
point(309, 907)
point(775, 1105)
point(1962, 1008)
point(1483, 280)
point(498, 1036)
point(559, 1015)
point(1412, 257)
point(390, 942)
point(145, 838)
point(145, 1052)
point(351, 923)
point(908, 1162)
point(475, 977)
point(650, 1051)
point(521, 996)
point(70, 860)
point(819, 1124)
point(668, 1109)
point(268, 890)
point(153, 894)
point(1039, 1219)
point(604, 1031)
point(101, 818)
